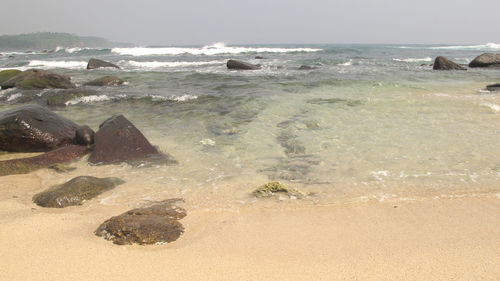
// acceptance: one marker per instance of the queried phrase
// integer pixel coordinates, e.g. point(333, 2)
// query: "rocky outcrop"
point(118, 140)
point(442, 63)
point(75, 192)
point(38, 79)
point(240, 65)
point(307, 67)
point(106, 81)
point(33, 128)
point(493, 87)
point(96, 63)
point(486, 60)
point(84, 136)
point(157, 224)
point(8, 74)
point(271, 188)
point(27, 165)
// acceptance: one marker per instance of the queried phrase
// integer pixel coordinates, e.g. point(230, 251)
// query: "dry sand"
point(425, 239)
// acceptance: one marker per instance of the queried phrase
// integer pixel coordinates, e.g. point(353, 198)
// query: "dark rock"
point(260, 58)
point(75, 191)
point(33, 128)
point(118, 140)
point(106, 81)
point(38, 79)
point(11, 57)
point(96, 63)
point(486, 60)
point(442, 63)
point(8, 74)
point(157, 224)
point(84, 136)
point(307, 67)
point(239, 65)
point(493, 87)
point(27, 165)
point(62, 97)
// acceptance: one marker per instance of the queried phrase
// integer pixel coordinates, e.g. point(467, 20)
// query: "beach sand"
point(457, 238)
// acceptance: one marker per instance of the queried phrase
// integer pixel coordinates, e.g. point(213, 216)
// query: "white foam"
point(427, 59)
point(88, 99)
point(173, 98)
point(14, 97)
point(58, 64)
point(158, 64)
point(346, 63)
point(215, 49)
point(492, 106)
point(484, 47)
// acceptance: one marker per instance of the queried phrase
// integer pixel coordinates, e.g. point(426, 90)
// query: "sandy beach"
point(422, 239)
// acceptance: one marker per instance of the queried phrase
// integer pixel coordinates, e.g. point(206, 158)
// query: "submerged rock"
point(486, 60)
point(157, 224)
point(60, 168)
point(118, 140)
point(240, 65)
point(270, 188)
point(38, 79)
point(63, 97)
point(84, 136)
point(493, 87)
point(33, 128)
point(307, 67)
point(75, 191)
point(106, 81)
point(96, 63)
point(8, 74)
point(442, 63)
point(30, 164)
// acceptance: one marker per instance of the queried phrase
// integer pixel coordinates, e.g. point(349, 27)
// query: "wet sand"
point(423, 239)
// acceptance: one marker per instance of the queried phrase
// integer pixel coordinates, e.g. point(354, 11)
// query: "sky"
point(194, 22)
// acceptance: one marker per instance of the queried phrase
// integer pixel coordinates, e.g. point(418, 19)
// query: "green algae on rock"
point(38, 79)
point(157, 224)
point(7, 74)
point(270, 188)
point(75, 192)
point(106, 81)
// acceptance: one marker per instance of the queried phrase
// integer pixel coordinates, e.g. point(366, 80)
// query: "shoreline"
point(430, 239)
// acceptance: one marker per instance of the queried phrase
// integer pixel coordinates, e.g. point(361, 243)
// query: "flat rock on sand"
point(75, 191)
point(157, 224)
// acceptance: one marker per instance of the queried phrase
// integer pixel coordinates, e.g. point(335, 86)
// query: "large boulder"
point(8, 74)
point(442, 63)
point(33, 128)
point(240, 65)
point(75, 191)
point(486, 60)
point(30, 164)
point(118, 140)
point(493, 87)
point(96, 63)
point(157, 224)
point(38, 79)
point(106, 81)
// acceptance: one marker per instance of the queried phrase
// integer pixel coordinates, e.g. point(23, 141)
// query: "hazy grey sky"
point(260, 21)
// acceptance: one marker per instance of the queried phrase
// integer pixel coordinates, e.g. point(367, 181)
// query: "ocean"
point(368, 122)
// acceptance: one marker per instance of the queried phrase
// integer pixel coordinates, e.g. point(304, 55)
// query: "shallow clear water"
point(369, 121)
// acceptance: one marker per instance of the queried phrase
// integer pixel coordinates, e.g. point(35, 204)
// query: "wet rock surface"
point(442, 63)
point(8, 74)
point(75, 191)
point(118, 140)
point(38, 79)
point(156, 224)
point(493, 87)
point(307, 67)
point(240, 65)
point(271, 188)
point(106, 81)
point(486, 60)
point(33, 128)
point(27, 165)
point(63, 97)
point(96, 63)
point(84, 136)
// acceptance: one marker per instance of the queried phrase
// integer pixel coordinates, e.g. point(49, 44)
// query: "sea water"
point(368, 121)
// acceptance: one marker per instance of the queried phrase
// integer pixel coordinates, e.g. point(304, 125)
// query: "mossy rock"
point(60, 168)
point(106, 81)
point(7, 74)
point(38, 79)
point(270, 188)
point(75, 192)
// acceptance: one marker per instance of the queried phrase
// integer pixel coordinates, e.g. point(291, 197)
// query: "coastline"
point(426, 239)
